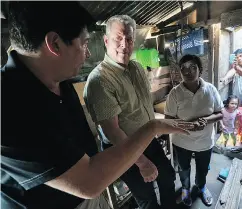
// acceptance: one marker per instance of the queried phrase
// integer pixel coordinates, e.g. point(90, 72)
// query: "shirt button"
point(60, 101)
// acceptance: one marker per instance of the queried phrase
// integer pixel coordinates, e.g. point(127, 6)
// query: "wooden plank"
point(226, 189)
point(211, 54)
point(79, 87)
point(216, 53)
point(205, 24)
point(234, 190)
point(231, 19)
point(112, 197)
point(230, 196)
point(178, 16)
point(240, 199)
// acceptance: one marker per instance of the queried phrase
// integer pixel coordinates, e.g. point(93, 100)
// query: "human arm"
point(90, 176)
point(201, 122)
point(222, 124)
point(237, 122)
point(116, 135)
point(229, 75)
point(217, 115)
point(103, 105)
point(235, 69)
point(213, 118)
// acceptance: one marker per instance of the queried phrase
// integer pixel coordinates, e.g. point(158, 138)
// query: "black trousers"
point(202, 159)
point(144, 193)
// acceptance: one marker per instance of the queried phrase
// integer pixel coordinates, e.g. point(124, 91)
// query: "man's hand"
point(237, 67)
point(199, 124)
point(167, 126)
point(224, 81)
point(148, 171)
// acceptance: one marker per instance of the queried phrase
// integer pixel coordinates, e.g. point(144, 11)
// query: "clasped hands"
point(199, 124)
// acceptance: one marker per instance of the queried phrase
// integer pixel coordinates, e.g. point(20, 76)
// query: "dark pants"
point(202, 159)
point(144, 192)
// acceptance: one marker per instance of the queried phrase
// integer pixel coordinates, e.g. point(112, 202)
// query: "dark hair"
point(238, 51)
point(194, 58)
point(227, 101)
point(29, 22)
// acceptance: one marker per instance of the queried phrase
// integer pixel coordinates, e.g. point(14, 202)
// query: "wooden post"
point(211, 54)
point(216, 35)
point(112, 197)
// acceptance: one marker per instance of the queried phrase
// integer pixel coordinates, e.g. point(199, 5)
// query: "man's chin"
point(79, 69)
point(123, 61)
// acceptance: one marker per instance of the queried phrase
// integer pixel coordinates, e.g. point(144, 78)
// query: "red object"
point(240, 124)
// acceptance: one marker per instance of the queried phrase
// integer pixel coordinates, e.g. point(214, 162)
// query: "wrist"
point(204, 119)
point(142, 161)
point(153, 125)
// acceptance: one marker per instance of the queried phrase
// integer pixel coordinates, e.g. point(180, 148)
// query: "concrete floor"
point(218, 162)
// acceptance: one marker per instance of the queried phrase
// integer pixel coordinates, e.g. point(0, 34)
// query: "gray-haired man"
point(117, 95)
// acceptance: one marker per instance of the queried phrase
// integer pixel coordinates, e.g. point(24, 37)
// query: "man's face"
point(239, 59)
point(76, 54)
point(189, 72)
point(120, 42)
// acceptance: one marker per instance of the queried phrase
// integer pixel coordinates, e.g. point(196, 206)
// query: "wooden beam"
point(205, 23)
point(231, 19)
point(178, 16)
point(230, 195)
point(216, 35)
point(169, 29)
point(211, 54)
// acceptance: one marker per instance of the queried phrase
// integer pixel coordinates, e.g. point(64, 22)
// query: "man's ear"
point(105, 38)
point(52, 41)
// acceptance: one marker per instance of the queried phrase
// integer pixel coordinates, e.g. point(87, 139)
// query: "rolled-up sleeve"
point(101, 100)
point(171, 104)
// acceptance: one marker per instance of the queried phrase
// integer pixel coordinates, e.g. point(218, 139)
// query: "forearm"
point(90, 176)
point(236, 123)
point(221, 123)
point(230, 74)
point(117, 136)
point(213, 118)
point(107, 166)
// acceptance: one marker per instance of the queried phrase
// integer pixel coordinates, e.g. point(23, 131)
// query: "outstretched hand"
point(167, 126)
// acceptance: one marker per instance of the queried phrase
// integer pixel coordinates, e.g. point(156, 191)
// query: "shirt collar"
point(202, 84)
point(114, 64)
point(25, 76)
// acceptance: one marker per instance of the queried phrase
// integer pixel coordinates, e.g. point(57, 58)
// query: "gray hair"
point(125, 19)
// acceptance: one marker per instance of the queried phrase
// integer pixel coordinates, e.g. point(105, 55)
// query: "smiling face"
point(233, 104)
point(120, 42)
point(190, 72)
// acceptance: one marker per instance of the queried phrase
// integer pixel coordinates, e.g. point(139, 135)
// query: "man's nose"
point(88, 53)
point(124, 43)
point(187, 71)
